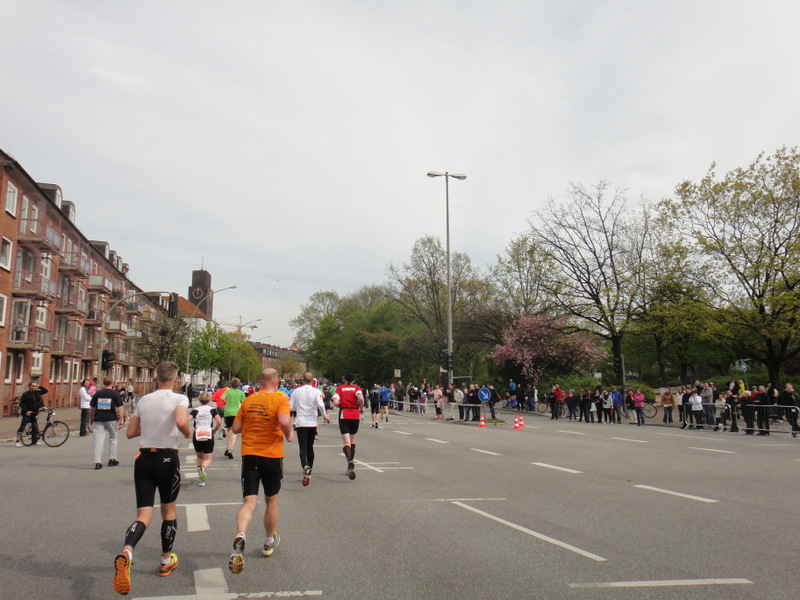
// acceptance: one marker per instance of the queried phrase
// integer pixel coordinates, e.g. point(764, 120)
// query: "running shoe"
point(122, 574)
point(351, 473)
point(236, 562)
point(202, 475)
point(201, 483)
point(270, 548)
point(306, 475)
point(18, 444)
point(166, 569)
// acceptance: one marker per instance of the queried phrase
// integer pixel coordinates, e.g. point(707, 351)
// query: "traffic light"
point(108, 358)
point(443, 360)
point(172, 310)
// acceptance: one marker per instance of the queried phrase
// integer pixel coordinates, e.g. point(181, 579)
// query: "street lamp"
point(194, 312)
point(450, 361)
point(240, 327)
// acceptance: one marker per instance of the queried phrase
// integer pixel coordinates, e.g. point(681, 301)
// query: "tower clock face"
point(198, 293)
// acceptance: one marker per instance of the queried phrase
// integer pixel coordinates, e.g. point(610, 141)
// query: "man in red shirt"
point(350, 400)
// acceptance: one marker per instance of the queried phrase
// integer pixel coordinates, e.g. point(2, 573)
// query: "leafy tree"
point(320, 305)
point(540, 347)
point(745, 231)
point(165, 339)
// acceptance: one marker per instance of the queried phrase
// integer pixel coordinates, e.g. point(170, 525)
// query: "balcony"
point(35, 286)
point(70, 304)
point(35, 232)
point(117, 327)
point(134, 308)
point(94, 318)
point(74, 262)
point(29, 337)
point(99, 283)
point(67, 346)
point(149, 313)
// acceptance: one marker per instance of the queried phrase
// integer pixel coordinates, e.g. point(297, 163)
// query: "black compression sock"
point(168, 530)
point(134, 533)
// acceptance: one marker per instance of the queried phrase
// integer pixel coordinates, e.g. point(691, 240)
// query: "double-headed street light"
point(450, 361)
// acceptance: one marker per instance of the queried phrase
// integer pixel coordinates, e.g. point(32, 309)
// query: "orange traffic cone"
point(516, 423)
point(482, 424)
point(521, 422)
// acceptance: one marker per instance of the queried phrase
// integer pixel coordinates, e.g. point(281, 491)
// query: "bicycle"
point(650, 410)
point(54, 433)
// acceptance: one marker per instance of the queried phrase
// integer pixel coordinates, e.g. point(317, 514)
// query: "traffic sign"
point(484, 394)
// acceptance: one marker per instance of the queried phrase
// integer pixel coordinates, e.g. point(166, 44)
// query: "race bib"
point(203, 434)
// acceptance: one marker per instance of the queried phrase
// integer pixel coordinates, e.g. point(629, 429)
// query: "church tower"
point(200, 292)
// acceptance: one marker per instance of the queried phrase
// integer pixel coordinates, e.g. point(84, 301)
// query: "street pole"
point(450, 361)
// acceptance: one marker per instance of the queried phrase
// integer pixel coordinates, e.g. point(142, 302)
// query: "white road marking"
point(532, 533)
point(403, 432)
point(572, 432)
point(437, 441)
point(694, 437)
point(712, 450)
point(630, 440)
point(546, 466)
point(665, 583)
point(486, 452)
point(679, 494)
point(455, 499)
point(197, 518)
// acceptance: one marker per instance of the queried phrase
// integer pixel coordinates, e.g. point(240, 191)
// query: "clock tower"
point(200, 292)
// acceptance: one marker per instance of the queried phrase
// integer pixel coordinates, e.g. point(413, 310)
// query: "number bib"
point(203, 434)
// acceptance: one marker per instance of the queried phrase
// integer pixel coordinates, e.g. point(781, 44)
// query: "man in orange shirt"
point(263, 420)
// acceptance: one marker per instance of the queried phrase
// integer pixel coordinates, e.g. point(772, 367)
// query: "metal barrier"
point(771, 418)
point(709, 417)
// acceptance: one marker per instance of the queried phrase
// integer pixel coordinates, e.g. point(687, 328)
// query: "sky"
point(284, 146)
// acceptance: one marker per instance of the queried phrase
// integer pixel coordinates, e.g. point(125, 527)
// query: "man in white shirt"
point(160, 419)
point(307, 402)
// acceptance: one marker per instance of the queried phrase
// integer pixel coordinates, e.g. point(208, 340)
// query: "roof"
point(188, 310)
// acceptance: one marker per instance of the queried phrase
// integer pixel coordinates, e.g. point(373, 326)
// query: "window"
point(47, 265)
point(65, 369)
point(9, 367)
point(53, 367)
point(6, 252)
point(75, 366)
point(20, 320)
point(41, 316)
point(36, 362)
point(3, 306)
point(11, 200)
point(19, 363)
point(34, 221)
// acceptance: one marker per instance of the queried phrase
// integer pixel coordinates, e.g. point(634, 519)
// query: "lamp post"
point(194, 312)
point(240, 327)
point(450, 361)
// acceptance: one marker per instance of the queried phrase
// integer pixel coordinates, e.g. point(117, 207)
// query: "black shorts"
point(203, 446)
point(229, 421)
point(260, 469)
point(156, 471)
point(349, 426)
point(374, 407)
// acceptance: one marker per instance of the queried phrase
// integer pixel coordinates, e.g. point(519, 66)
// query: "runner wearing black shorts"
point(350, 400)
point(157, 467)
point(375, 404)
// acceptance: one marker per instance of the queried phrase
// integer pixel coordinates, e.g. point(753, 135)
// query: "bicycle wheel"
point(542, 407)
point(27, 435)
point(55, 434)
point(650, 410)
point(562, 411)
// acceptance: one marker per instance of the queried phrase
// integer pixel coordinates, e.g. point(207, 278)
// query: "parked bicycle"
point(54, 433)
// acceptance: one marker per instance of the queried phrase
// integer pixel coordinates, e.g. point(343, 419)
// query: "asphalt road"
point(438, 510)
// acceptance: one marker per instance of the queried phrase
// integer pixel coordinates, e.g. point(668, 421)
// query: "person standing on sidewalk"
point(105, 415)
point(233, 400)
point(264, 422)
point(30, 403)
point(86, 405)
point(160, 418)
point(306, 401)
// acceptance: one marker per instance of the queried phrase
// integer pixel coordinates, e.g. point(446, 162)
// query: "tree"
point(745, 231)
point(598, 249)
point(538, 345)
point(321, 304)
point(164, 339)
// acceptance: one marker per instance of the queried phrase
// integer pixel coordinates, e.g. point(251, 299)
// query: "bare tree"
point(598, 249)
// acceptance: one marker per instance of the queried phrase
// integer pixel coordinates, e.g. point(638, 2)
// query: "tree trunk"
point(616, 351)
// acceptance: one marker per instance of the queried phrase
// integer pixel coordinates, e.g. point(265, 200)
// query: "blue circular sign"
point(484, 394)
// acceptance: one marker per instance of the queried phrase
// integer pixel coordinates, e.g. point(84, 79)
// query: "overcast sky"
point(284, 145)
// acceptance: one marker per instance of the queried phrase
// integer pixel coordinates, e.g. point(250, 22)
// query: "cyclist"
point(30, 403)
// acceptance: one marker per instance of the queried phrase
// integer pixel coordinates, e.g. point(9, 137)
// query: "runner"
point(306, 401)
point(384, 404)
point(233, 400)
point(159, 417)
point(375, 404)
point(206, 424)
point(263, 420)
point(350, 400)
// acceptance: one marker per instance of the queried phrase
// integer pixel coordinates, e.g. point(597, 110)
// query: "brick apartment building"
point(56, 289)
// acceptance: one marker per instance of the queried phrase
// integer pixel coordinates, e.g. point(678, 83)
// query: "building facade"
point(58, 289)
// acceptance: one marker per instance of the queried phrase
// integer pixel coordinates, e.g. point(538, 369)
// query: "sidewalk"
point(70, 415)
